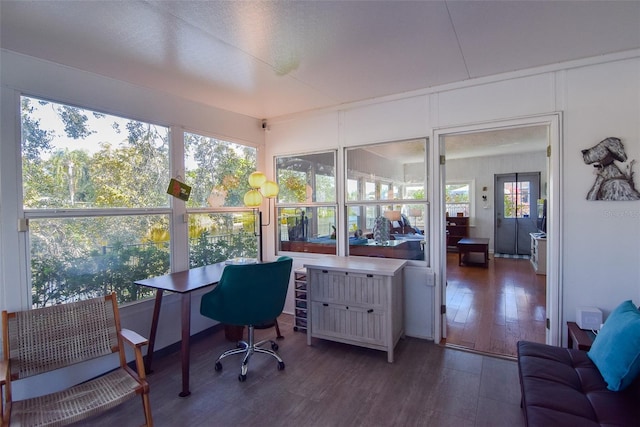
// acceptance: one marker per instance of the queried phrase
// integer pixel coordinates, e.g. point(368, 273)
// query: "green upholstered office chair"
point(249, 295)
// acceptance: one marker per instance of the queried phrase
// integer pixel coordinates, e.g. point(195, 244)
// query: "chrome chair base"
point(248, 349)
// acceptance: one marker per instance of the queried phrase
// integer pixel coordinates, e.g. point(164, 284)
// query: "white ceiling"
point(271, 58)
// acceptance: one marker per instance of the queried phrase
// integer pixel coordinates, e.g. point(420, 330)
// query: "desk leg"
point(154, 329)
point(186, 335)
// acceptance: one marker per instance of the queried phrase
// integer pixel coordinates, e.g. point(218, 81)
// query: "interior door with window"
point(516, 211)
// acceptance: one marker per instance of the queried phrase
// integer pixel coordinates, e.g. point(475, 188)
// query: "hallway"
point(490, 309)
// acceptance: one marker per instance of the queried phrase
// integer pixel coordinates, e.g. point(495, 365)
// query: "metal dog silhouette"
point(611, 183)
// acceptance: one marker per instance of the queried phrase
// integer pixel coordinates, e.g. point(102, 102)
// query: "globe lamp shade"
point(269, 189)
point(256, 179)
point(252, 198)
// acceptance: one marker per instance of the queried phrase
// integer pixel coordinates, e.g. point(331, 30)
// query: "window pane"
point(392, 171)
point(389, 233)
point(370, 191)
point(306, 178)
point(80, 258)
point(458, 199)
point(308, 229)
point(74, 158)
point(517, 200)
point(392, 175)
point(352, 189)
point(217, 171)
point(215, 237)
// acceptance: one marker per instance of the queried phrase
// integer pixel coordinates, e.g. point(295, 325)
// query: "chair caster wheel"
point(280, 366)
point(274, 346)
point(242, 378)
point(217, 367)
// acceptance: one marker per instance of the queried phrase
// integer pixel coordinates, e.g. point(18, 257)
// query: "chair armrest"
point(136, 341)
point(5, 393)
point(4, 372)
point(133, 338)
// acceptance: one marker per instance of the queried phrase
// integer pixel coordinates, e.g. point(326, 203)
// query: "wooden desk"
point(579, 338)
point(473, 244)
point(400, 249)
point(182, 282)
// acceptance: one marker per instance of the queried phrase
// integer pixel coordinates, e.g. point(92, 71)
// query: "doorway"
point(493, 153)
point(516, 213)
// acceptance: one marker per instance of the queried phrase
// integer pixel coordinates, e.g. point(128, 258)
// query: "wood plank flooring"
point(490, 309)
point(331, 384)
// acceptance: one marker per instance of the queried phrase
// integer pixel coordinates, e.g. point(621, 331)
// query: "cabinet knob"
point(369, 275)
point(370, 310)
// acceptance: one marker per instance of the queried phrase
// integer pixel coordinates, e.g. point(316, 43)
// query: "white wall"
point(602, 239)
point(598, 246)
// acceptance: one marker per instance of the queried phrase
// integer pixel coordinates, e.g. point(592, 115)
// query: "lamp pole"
point(260, 235)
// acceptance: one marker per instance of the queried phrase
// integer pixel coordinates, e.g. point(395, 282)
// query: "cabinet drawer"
point(348, 323)
point(349, 288)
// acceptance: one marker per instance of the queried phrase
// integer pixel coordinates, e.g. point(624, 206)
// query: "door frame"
point(553, 122)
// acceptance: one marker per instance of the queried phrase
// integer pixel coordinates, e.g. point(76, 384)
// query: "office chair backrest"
point(249, 294)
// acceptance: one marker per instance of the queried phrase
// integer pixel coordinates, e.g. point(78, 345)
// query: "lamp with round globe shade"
point(260, 188)
point(256, 179)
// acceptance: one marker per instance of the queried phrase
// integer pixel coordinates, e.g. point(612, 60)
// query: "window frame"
point(176, 210)
point(378, 204)
point(309, 204)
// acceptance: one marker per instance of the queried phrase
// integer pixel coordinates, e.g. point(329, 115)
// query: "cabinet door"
point(366, 326)
point(367, 290)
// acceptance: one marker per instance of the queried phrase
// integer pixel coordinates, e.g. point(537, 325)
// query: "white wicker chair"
point(42, 340)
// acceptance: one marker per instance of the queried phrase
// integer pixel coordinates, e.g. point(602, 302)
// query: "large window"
point(95, 198)
point(218, 173)
point(386, 203)
point(306, 205)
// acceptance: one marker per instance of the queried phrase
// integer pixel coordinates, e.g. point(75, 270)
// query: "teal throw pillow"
point(616, 349)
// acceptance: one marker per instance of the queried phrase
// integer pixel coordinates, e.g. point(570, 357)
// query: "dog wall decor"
point(611, 183)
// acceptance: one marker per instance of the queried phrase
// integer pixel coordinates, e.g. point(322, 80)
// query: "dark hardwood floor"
point(331, 384)
point(490, 309)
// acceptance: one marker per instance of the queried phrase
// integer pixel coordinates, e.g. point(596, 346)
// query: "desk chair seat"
point(249, 295)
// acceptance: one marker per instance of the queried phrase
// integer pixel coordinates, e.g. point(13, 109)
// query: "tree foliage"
point(85, 255)
point(220, 167)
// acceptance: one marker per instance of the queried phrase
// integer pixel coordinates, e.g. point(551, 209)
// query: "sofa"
point(563, 387)
point(601, 387)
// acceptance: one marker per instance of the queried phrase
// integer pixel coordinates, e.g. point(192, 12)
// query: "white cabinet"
point(539, 253)
point(356, 301)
